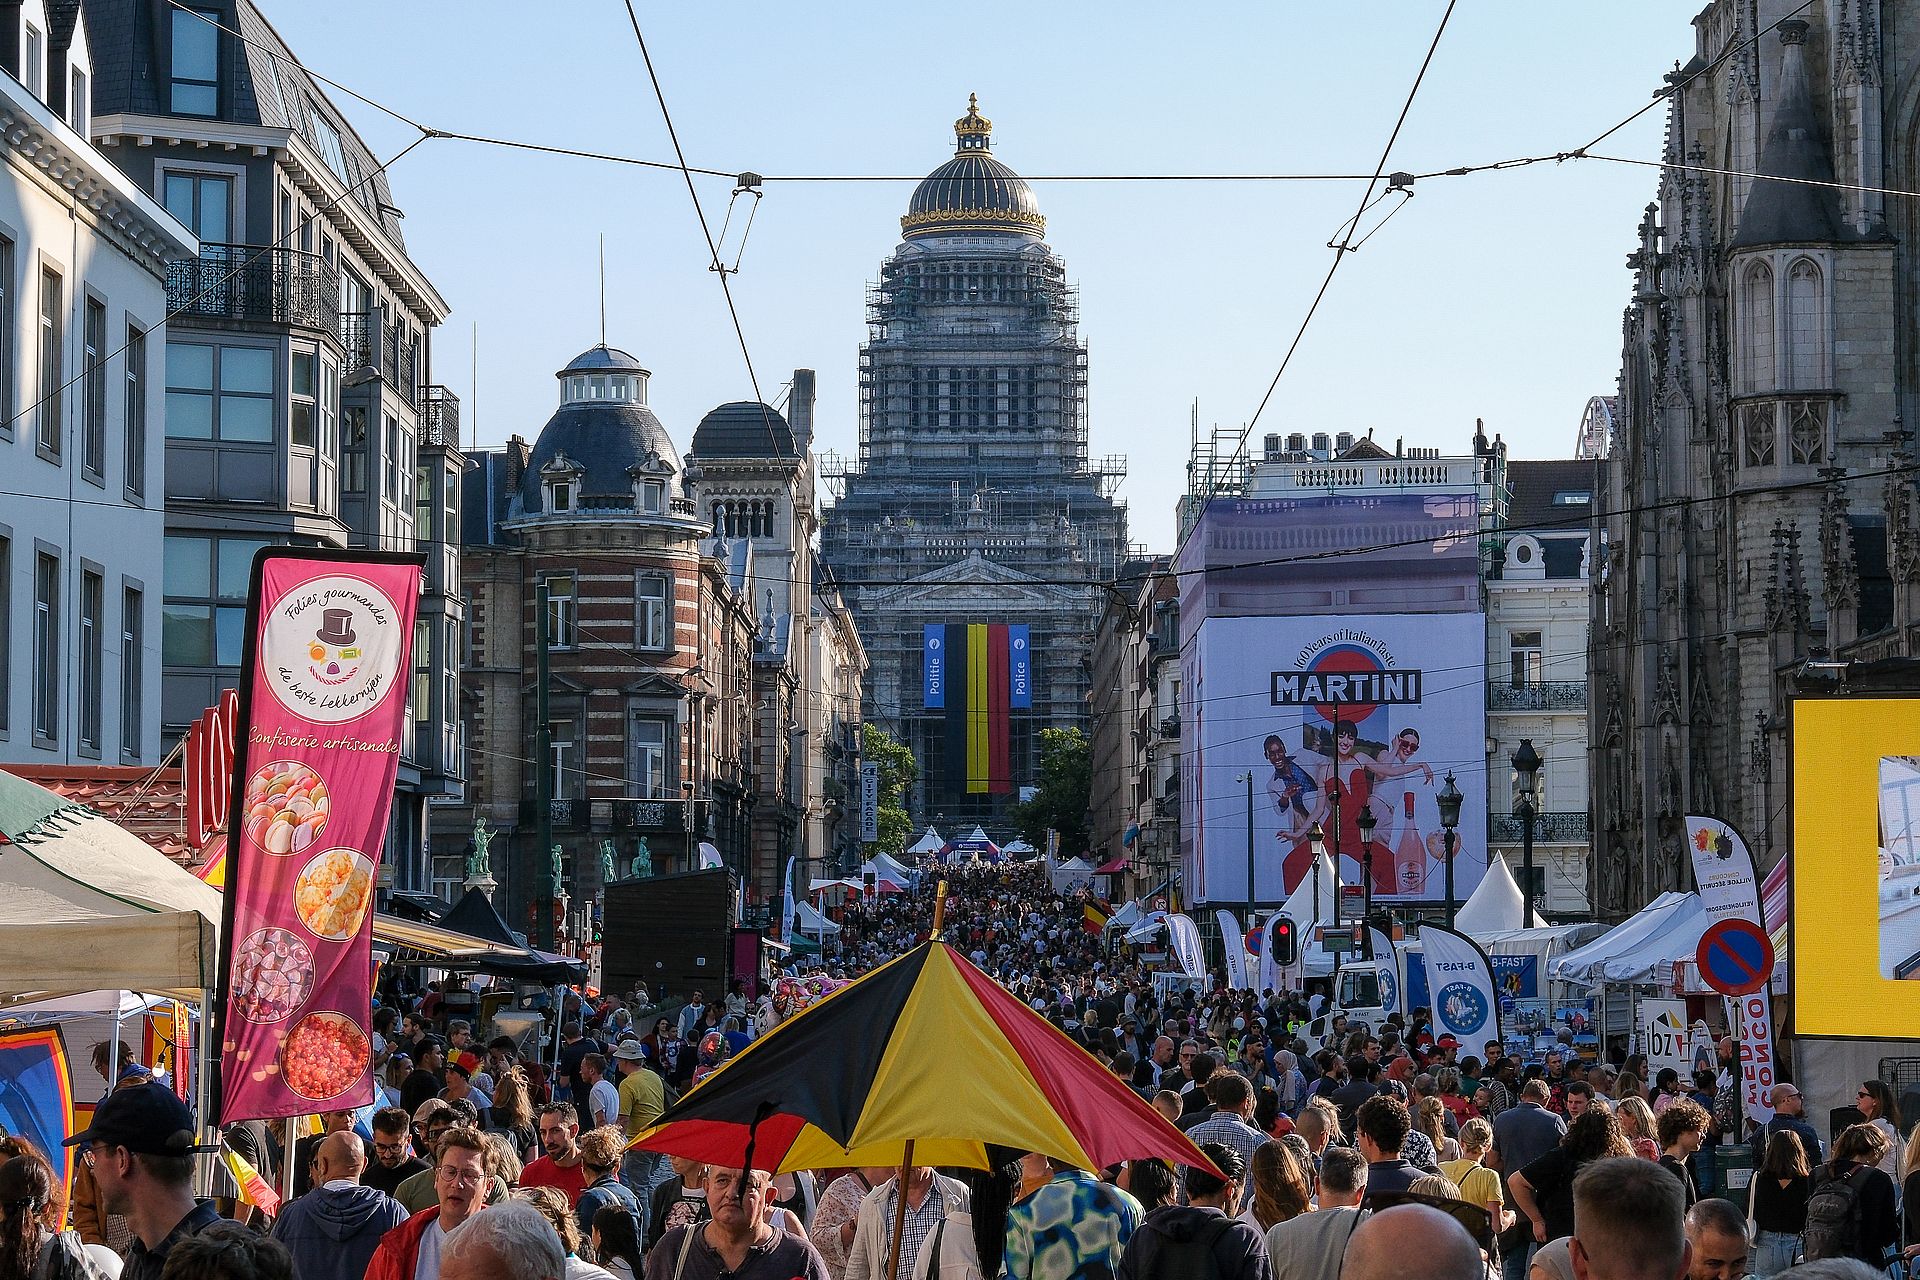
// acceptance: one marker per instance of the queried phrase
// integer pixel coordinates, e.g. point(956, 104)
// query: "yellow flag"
point(254, 1189)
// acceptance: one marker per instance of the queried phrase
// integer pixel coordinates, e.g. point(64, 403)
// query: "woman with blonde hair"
point(1479, 1185)
point(1629, 1086)
point(1282, 1190)
point(1430, 1118)
point(502, 1160)
point(1642, 1130)
point(512, 1114)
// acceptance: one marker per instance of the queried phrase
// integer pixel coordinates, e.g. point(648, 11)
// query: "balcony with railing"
point(257, 283)
point(373, 344)
point(1548, 828)
point(1549, 695)
point(439, 416)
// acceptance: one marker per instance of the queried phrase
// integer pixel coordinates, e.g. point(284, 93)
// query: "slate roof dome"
point(973, 193)
point(603, 428)
point(744, 429)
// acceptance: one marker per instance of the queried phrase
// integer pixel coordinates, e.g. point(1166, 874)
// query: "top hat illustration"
point(336, 627)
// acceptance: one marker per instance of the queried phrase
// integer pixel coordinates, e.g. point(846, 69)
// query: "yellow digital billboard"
point(1856, 846)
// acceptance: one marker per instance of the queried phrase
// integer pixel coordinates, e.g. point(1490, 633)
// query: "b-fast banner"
point(1518, 977)
point(1856, 865)
point(1020, 667)
point(1460, 978)
point(1233, 946)
point(323, 704)
point(1184, 936)
point(1338, 717)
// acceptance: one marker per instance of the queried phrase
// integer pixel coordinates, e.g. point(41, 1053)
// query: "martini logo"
point(1349, 670)
point(330, 649)
point(1462, 1007)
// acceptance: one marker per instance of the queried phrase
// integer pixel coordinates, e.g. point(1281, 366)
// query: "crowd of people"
point(1369, 1154)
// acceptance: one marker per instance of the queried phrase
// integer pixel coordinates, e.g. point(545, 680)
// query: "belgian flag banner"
point(975, 674)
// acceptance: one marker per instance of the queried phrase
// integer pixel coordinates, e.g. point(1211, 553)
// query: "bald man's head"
point(1412, 1242)
point(341, 1155)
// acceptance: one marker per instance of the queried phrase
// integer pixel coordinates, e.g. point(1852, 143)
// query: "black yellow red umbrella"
point(926, 1060)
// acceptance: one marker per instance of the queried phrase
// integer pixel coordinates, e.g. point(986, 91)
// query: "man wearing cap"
point(643, 1096)
point(140, 1148)
point(459, 1078)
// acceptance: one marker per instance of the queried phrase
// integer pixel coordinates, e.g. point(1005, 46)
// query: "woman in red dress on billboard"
point(1350, 778)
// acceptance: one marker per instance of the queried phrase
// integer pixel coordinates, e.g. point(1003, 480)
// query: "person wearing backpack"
point(1850, 1212)
point(1202, 1239)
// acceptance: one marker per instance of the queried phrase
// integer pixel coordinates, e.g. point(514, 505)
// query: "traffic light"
point(1286, 948)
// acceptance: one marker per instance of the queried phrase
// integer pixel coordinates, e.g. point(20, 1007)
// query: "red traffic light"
point(1285, 945)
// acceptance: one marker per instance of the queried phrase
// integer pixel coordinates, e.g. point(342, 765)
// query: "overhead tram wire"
point(706, 231)
point(1346, 245)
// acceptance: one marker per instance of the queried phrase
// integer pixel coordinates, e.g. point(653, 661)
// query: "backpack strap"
point(933, 1260)
point(686, 1246)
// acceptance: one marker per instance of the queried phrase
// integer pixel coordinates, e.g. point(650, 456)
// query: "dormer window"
point(194, 74)
point(78, 103)
point(560, 496)
point(33, 63)
point(653, 496)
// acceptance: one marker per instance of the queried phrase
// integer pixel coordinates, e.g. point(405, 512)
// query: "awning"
point(475, 914)
point(1587, 964)
point(433, 942)
point(1113, 868)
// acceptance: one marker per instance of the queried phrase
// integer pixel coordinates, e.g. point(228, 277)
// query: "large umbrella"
point(926, 1060)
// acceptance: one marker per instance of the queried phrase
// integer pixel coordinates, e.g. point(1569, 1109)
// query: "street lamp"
point(1366, 822)
point(1449, 801)
point(1248, 779)
point(1526, 776)
point(1317, 843)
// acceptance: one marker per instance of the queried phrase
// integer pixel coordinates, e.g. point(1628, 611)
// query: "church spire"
point(1792, 212)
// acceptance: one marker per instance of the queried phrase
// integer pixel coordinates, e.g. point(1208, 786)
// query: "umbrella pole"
point(906, 1167)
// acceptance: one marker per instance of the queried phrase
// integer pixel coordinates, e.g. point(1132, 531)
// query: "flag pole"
point(906, 1156)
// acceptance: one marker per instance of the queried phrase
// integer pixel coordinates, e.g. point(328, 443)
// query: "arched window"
point(1806, 326)
point(1756, 327)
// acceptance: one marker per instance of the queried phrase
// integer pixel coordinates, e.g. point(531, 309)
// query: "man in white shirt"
point(1310, 1246)
point(603, 1096)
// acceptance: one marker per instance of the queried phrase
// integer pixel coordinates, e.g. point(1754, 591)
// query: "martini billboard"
point(1336, 717)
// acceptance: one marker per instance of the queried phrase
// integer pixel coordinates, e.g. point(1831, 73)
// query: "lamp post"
point(1366, 823)
point(1526, 776)
point(1317, 842)
point(1449, 801)
point(1248, 779)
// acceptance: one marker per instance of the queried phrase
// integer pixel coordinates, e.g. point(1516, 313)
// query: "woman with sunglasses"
point(1882, 1110)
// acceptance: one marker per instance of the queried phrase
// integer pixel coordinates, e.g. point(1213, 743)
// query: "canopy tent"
point(1621, 948)
point(1654, 960)
point(1125, 916)
point(811, 923)
point(475, 916)
point(1143, 928)
point(821, 886)
point(1070, 874)
point(975, 844)
point(931, 842)
point(1112, 868)
point(886, 867)
point(1305, 911)
point(1496, 905)
point(88, 906)
point(1017, 846)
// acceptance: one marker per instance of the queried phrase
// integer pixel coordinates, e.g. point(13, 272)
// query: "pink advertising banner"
point(322, 708)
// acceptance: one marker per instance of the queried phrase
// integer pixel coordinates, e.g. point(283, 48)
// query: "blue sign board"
point(1516, 977)
point(934, 666)
point(1019, 667)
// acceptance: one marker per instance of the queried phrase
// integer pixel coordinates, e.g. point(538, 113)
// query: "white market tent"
point(812, 923)
point(88, 906)
point(1305, 911)
point(931, 842)
point(1017, 846)
point(1496, 905)
point(885, 867)
point(1069, 874)
point(1635, 950)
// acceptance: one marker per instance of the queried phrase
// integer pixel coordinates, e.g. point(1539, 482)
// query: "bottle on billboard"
point(1410, 855)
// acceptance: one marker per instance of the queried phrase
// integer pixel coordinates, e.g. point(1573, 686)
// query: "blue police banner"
point(934, 666)
point(1019, 667)
point(1466, 1002)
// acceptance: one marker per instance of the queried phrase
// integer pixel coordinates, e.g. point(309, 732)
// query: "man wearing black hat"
point(140, 1148)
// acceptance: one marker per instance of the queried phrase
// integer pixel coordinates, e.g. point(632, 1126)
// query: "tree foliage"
point(898, 771)
point(1065, 788)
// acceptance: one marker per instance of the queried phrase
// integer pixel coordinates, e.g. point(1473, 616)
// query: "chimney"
point(1322, 445)
point(800, 409)
point(1273, 446)
point(518, 454)
point(1399, 446)
point(1296, 443)
point(1344, 441)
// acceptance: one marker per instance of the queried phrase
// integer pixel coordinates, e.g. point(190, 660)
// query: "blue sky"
point(1496, 296)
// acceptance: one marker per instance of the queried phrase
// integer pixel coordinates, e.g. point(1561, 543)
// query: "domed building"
point(651, 633)
point(974, 501)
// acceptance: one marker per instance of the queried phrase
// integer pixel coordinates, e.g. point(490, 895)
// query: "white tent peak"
point(931, 842)
point(1496, 905)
